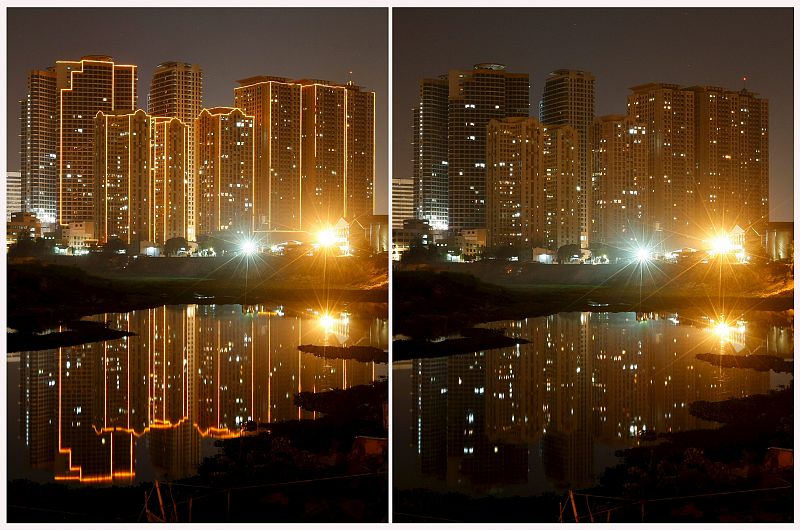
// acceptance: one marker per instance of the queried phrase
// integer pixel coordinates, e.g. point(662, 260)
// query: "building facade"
point(430, 166)
point(176, 91)
point(39, 146)
point(563, 225)
point(568, 99)
point(225, 163)
point(732, 159)
point(275, 104)
point(476, 96)
point(13, 193)
point(402, 201)
point(95, 83)
point(619, 181)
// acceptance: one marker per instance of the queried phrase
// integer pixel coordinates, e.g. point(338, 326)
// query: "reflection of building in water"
point(429, 401)
point(584, 379)
point(189, 371)
point(39, 403)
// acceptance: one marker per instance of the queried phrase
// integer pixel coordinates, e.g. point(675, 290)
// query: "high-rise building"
point(39, 146)
point(122, 173)
point(225, 162)
point(732, 159)
point(275, 104)
point(140, 171)
point(476, 96)
point(430, 169)
point(515, 183)
point(176, 91)
point(568, 99)
point(668, 114)
point(338, 152)
point(402, 201)
point(562, 190)
point(13, 193)
point(619, 181)
point(95, 83)
point(169, 140)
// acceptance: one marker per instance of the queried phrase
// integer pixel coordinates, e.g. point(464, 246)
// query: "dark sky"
point(229, 44)
point(621, 47)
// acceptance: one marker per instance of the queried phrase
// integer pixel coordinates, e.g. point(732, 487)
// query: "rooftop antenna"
point(744, 82)
point(350, 77)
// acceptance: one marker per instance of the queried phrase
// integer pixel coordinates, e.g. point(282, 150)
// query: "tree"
point(114, 246)
point(420, 253)
point(566, 252)
point(174, 245)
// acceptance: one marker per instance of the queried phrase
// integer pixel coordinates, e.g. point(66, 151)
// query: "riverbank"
point(43, 296)
point(358, 353)
point(430, 303)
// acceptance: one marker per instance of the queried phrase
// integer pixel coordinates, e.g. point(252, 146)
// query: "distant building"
point(414, 231)
point(338, 152)
point(668, 114)
point(780, 241)
point(39, 146)
point(95, 83)
point(454, 112)
point(141, 178)
point(276, 106)
point(402, 201)
point(619, 180)
point(732, 158)
point(568, 99)
point(369, 233)
point(22, 224)
point(79, 235)
point(176, 91)
point(225, 163)
point(13, 193)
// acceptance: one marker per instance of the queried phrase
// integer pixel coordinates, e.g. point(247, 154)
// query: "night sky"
point(621, 47)
point(228, 44)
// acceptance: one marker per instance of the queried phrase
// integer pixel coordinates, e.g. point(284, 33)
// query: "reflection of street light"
point(327, 322)
point(326, 237)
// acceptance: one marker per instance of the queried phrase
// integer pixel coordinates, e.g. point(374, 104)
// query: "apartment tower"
point(476, 96)
point(338, 152)
point(515, 183)
point(225, 163)
point(430, 168)
point(568, 99)
point(95, 83)
point(562, 192)
point(275, 104)
point(732, 159)
point(668, 114)
point(619, 181)
point(39, 147)
point(176, 91)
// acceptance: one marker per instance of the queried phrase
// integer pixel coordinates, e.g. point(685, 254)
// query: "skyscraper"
point(568, 99)
point(95, 83)
point(176, 91)
point(515, 183)
point(430, 168)
point(338, 152)
point(39, 146)
point(141, 179)
point(732, 158)
point(13, 193)
point(402, 201)
point(476, 96)
point(667, 112)
point(619, 179)
point(122, 177)
point(274, 103)
point(562, 205)
point(225, 164)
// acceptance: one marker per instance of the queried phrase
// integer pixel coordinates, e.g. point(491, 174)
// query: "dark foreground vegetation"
point(332, 469)
point(472, 339)
point(359, 353)
point(732, 474)
point(73, 332)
